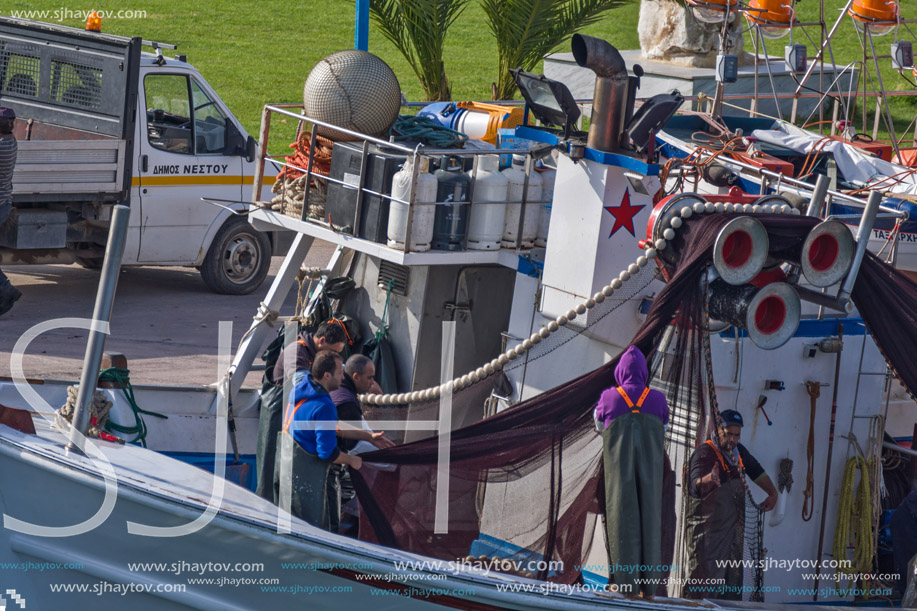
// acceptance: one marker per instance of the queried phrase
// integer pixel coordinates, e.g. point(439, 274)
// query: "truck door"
point(182, 158)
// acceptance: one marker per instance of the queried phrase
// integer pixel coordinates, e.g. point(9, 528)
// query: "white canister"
point(485, 229)
point(422, 223)
point(547, 195)
point(516, 177)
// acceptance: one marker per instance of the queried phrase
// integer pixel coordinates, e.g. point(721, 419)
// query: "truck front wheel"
point(238, 259)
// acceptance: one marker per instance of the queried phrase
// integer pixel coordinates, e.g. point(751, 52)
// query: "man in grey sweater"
point(8, 148)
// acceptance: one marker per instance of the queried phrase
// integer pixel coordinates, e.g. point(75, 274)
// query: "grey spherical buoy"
point(355, 90)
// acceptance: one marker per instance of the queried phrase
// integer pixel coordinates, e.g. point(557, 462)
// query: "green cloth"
point(308, 481)
point(715, 531)
point(633, 456)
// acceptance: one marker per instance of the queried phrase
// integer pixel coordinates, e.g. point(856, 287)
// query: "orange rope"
point(321, 163)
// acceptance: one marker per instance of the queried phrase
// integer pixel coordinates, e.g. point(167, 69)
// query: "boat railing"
point(415, 154)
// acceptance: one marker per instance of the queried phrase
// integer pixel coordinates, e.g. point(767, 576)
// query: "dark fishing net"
point(525, 483)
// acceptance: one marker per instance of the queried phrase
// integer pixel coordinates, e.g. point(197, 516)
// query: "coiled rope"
point(428, 131)
point(121, 377)
point(854, 521)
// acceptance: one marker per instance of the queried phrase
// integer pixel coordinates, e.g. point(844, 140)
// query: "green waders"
point(269, 421)
point(633, 456)
point(715, 531)
point(269, 424)
point(307, 475)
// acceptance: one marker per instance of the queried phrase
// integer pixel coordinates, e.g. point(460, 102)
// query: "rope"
point(321, 163)
point(892, 238)
point(854, 520)
point(121, 377)
point(263, 315)
point(99, 407)
point(427, 131)
point(808, 500)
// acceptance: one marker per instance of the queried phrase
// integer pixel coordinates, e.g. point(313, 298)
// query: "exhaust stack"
point(609, 105)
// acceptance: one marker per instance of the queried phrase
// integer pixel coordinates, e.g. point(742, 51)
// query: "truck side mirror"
point(251, 149)
point(236, 145)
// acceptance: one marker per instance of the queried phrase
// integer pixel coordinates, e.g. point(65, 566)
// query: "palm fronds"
point(418, 28)
point(527, 30)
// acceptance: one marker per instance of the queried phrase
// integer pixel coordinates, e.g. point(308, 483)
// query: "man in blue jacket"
point(309, 420)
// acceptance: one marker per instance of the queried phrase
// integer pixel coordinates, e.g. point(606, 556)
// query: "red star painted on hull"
point(624, 214)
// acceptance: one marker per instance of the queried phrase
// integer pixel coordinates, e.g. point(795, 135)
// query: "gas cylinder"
point(547, 195)
point(515, 174)
point(422, 222)
point(485, 227)
point(451, 222)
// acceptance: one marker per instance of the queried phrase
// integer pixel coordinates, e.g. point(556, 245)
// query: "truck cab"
point(99, 123)
point(189, 146)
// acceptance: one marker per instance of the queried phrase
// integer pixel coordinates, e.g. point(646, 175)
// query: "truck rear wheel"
point(238, 259)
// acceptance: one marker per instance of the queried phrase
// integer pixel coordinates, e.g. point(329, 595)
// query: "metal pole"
point(818, 196)
point(882, 101)
point(361, 27)
point(105, 297)
point(862, 239)
point(824, 45)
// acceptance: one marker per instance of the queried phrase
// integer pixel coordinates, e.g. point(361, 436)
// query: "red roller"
point(740, 250)
point(769, 314)
point(827, 253)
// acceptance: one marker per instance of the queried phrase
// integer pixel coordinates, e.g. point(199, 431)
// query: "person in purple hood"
point(632, 419)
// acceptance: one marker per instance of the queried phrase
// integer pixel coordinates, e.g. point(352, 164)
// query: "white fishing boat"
point(115, 519)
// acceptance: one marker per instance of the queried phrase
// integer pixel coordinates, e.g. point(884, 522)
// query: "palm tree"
point(418, 28)
point(527, 30)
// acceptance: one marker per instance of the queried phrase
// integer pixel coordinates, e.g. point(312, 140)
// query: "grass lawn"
point(254, 53)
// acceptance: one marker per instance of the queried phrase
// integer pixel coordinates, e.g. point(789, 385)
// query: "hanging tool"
point(814, 390)
point(762, 399)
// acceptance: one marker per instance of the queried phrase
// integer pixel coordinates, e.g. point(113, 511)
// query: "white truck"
point(99, 122)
